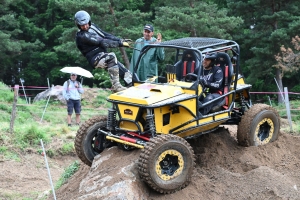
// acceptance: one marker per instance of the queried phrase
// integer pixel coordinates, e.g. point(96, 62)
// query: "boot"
point(125, 74)
point(128, 78)
point(114, 79)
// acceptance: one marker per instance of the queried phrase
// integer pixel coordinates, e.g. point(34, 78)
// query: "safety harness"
point(226, 87)
point(185, 67)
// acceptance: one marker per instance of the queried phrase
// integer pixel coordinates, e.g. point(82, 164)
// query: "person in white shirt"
point(71, 92)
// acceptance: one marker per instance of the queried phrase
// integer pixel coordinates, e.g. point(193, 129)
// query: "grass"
point(67, 148)
point(9, 155)
point(295, 116)
point(35, 122)
point(69, 171)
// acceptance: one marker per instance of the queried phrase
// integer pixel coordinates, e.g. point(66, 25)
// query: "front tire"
point(86, 140)
point(259, 125)
point(167, 163)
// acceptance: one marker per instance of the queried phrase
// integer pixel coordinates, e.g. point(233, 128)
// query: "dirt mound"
point(27, 178)
point(224, 170)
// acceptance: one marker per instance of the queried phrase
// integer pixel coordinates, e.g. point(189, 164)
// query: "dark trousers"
point(208, 98)
point(74, 105)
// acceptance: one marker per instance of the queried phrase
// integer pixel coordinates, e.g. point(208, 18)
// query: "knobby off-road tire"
point(260, 125)
point(167, 163)
point(85, 138)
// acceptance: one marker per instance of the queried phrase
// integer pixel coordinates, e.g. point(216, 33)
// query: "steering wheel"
point(190, 77)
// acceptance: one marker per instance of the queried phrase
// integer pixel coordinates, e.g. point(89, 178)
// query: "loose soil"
point(224, 170)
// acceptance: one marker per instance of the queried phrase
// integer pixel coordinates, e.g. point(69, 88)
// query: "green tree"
point(41, 24)
point(38, 37)
point(11, 45)
point(197, 20)
point(267, 26)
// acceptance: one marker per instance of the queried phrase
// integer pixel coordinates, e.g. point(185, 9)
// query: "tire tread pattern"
point(244, 126)
point(81, 134)
point(145, 158)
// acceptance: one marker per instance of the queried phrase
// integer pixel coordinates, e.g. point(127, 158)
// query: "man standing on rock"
point(71, 92)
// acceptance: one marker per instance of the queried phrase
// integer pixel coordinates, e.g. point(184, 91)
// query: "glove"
point(127, 40)
point(106, 43)
point(204, 81)
point(125, 44)
point(159, 37)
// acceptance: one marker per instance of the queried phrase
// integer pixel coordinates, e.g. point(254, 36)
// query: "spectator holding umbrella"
point(72, 90)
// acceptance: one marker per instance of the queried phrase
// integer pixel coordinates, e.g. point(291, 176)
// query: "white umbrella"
point(77, 70)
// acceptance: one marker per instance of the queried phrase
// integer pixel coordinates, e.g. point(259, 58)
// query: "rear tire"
point(259, 125)
point(167, 163)
point(85, 140)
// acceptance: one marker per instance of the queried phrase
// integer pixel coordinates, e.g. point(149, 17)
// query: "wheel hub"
point(169, 164)
point(264, 131)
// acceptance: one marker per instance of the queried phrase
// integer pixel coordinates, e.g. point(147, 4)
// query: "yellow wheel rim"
point(264, 131)
point(169, 164)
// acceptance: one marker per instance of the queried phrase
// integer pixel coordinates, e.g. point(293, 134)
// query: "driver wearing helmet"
point(93, 43)
point(211, 77)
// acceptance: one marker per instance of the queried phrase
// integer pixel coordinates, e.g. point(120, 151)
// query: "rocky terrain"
point(224, 170)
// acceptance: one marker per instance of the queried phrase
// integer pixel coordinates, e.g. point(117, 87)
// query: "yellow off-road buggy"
point(157, 115)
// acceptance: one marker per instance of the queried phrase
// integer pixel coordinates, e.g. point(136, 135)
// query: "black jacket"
point(95, 40)
point(213, 79)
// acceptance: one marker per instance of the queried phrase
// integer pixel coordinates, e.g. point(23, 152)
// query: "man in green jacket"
point(148, 64)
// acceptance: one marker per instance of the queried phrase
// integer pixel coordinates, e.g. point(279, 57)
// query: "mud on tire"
point(167, 163)
point(85, 139)
point(260, 125)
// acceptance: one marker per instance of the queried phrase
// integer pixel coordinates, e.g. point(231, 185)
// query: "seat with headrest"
point(224, 62)
point(188, 64)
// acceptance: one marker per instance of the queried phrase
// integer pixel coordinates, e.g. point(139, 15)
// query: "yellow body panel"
point(222, 116)
point(146, 93)
point(176, 119)
point(241, 81)
point(130, 126)
point(188, 126)
point(128, 111)
point(181, 83)
point(200, 128)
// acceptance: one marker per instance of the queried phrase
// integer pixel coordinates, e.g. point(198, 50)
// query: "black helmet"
point(81, 18)
point(212, 57)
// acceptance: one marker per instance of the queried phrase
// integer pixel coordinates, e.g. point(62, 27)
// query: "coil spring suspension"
point(242, 103)
point(111, 119)
point(150, 125)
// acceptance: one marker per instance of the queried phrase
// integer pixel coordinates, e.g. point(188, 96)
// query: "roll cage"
point(200, 46)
